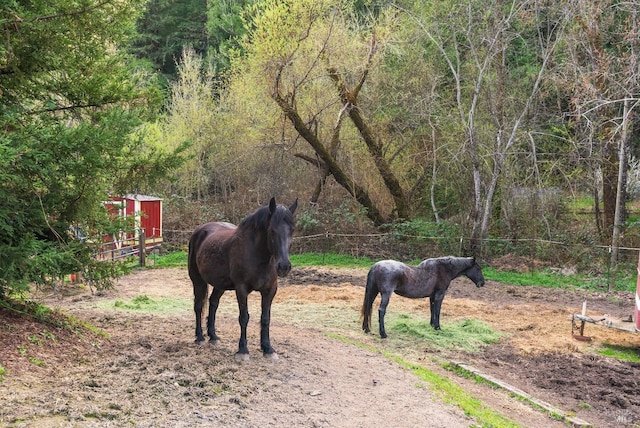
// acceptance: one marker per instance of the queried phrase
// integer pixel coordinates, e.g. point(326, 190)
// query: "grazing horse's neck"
point(461, 267)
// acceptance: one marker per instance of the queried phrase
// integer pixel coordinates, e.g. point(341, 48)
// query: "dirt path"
point(150, 373)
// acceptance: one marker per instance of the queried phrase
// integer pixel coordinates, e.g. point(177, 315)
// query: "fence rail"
point(130, 247)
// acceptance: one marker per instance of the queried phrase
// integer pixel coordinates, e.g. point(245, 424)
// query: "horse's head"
point(280, 234)
point(474, 273)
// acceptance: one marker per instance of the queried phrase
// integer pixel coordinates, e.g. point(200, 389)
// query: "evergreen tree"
point(69, 104)
point(166, 28)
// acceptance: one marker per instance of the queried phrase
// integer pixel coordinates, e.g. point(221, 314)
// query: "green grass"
point(176, 259)
point(469, 335)
point(539, 278)
point(2, 373)
point(143, 303)
point(550, 279)
point(330, 259)
point(620, 353)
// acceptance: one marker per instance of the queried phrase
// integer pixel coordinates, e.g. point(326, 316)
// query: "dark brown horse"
point(246, 258)
point(431, 278)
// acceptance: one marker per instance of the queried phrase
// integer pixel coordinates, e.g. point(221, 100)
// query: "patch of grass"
point(330, 259)
point(175, 259)
point(620, 353)
point(37, 361)
point(469, 335)
point(539, 278)
point(2, 373)
point(143, 303)
point(446, 390)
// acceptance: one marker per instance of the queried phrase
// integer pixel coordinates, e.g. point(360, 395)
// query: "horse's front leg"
point(214, 301)
point(265, 320)
point(243, 319)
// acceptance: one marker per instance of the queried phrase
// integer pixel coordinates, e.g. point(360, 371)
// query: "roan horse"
point(245, 258)
point(430, 278)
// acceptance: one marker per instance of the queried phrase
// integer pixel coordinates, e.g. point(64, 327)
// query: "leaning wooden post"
point(141, 247)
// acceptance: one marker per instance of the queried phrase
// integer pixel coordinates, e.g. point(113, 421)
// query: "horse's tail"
point(191, 255)
point(370, 293)
point(195, 241)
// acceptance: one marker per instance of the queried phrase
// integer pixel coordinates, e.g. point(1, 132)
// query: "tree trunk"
point(358, 192)
point(621, 188)
point(349, 99)
point(609, 186)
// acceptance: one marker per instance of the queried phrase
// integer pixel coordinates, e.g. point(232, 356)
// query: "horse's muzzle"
point(283, 269)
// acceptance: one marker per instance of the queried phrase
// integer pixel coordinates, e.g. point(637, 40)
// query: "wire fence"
point(394, 245)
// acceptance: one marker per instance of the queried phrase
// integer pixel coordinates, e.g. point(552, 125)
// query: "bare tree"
point(604, 59)
point(327, 53)
point(473, 49)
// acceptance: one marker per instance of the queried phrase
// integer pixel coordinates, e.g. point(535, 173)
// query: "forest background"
point(407, 129)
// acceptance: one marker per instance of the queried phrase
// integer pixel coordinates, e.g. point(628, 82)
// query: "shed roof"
point(137, 197)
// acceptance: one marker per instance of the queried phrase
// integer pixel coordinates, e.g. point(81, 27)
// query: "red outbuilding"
point(146, 212)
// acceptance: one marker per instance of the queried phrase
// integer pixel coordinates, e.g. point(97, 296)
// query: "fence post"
point(141, 248)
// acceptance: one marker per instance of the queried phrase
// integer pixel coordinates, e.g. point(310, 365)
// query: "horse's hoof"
point(214, 342)
point(241, 357)
point(272, 356)
point(199, 342)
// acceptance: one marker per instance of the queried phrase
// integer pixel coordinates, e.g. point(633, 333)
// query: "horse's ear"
point(293, 207)
point(272, 205)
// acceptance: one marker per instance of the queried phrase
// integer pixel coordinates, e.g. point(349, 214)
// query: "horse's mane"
point(260, 218)
point(456, 261)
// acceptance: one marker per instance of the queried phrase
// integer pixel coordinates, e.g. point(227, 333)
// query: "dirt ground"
point(149, 373)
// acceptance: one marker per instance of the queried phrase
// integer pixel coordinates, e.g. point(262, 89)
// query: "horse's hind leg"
point(435, 304)
point(214, 301)
point(200, 291)
point(384, 302)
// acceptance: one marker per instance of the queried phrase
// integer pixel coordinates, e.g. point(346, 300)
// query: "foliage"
point(166, 28)
point(70, 103)
point(226, 28)
point(419, 230)
point(450, 94)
